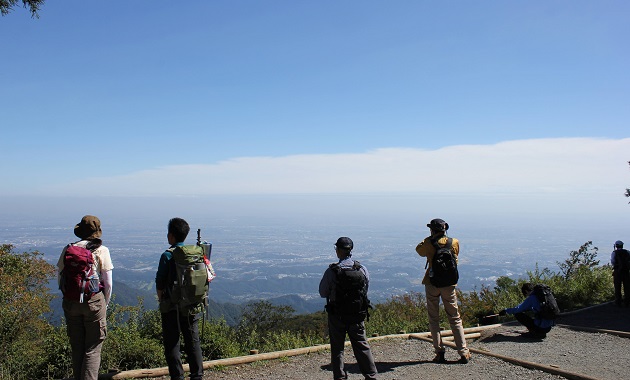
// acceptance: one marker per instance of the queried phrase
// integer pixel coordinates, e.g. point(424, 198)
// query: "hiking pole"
point(204, 308)
point(207, 251)
point(491, 315)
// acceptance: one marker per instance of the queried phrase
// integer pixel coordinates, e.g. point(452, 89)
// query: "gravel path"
point(597, 355)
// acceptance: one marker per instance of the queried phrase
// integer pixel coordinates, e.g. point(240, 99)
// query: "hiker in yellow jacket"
point(442, 284)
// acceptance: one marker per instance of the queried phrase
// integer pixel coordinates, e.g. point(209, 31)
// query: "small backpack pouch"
point(93, 283)
point(209, 269)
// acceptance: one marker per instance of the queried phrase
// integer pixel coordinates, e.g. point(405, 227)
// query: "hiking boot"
point(464, 359)
point(534, 335)
point(439, 358)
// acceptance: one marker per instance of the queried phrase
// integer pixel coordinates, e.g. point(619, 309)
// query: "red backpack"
point(79, 280)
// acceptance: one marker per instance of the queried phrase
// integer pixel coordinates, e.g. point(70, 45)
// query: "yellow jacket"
point(426, 249)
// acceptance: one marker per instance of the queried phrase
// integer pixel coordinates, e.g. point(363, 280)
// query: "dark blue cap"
point(345, 243)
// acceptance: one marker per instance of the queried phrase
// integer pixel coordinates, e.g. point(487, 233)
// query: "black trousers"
point(188, 325)
point(528, 322)
point(337, 330)
point(621, 278)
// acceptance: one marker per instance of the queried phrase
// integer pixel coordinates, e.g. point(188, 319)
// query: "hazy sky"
point(528, 100)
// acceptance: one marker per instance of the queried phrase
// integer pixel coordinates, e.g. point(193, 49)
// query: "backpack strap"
point(75, 243)
point(449, 245)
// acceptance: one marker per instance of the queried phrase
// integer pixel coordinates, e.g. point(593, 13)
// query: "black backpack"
point(444, 265)
point(548, 306)
point(622, 259)
point(348, 298)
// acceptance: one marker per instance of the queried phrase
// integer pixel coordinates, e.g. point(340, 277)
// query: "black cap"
point(345, 243)
point(619, 244)
point(438, 225)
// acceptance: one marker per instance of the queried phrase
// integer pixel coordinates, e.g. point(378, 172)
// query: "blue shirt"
point(328, 280)
point(531, 303)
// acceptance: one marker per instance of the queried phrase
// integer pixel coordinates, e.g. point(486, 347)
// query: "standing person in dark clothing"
point(175, 319)
point(620, 261)
point(345, 286)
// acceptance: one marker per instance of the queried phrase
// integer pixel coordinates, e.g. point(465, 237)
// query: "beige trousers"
point(87, 329)
point(449, 299)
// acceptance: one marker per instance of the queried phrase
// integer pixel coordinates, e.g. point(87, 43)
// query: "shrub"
point(218, 340)
point(407, 312)
point(128, 346)
point(57, 359)
point(24, 299)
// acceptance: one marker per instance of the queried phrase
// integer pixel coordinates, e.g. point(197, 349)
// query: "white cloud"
point(562, 165)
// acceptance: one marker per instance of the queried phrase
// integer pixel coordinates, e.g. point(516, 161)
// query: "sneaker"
point(464, 359)
point(439, 358)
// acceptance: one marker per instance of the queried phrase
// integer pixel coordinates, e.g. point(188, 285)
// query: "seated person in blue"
point(538, 327)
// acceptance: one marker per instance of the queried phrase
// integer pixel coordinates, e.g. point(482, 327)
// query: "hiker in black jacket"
point(620, 261)
point(346, 316)
point(175, 320)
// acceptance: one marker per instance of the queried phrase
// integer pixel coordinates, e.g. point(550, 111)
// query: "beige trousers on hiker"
point(87, 328)
point(449, 299)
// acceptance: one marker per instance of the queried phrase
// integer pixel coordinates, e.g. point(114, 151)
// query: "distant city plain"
point(266, 258)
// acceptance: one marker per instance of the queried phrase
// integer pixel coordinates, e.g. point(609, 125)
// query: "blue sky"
point(528, 98)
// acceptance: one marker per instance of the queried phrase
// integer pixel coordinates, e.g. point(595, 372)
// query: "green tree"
point(6, 6)
point(262, 316)
point(24, 299)
point(265, 327)
point(583, 257)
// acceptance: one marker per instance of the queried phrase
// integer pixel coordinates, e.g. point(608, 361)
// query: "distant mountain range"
point(126, 295)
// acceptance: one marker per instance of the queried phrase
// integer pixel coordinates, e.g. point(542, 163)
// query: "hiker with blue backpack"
point(345, 285)
point(440, 282)
point(85, 279)
point(181, 282)
point(540, 301)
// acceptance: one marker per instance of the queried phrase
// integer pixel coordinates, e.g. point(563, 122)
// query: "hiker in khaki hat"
point(85, 303)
